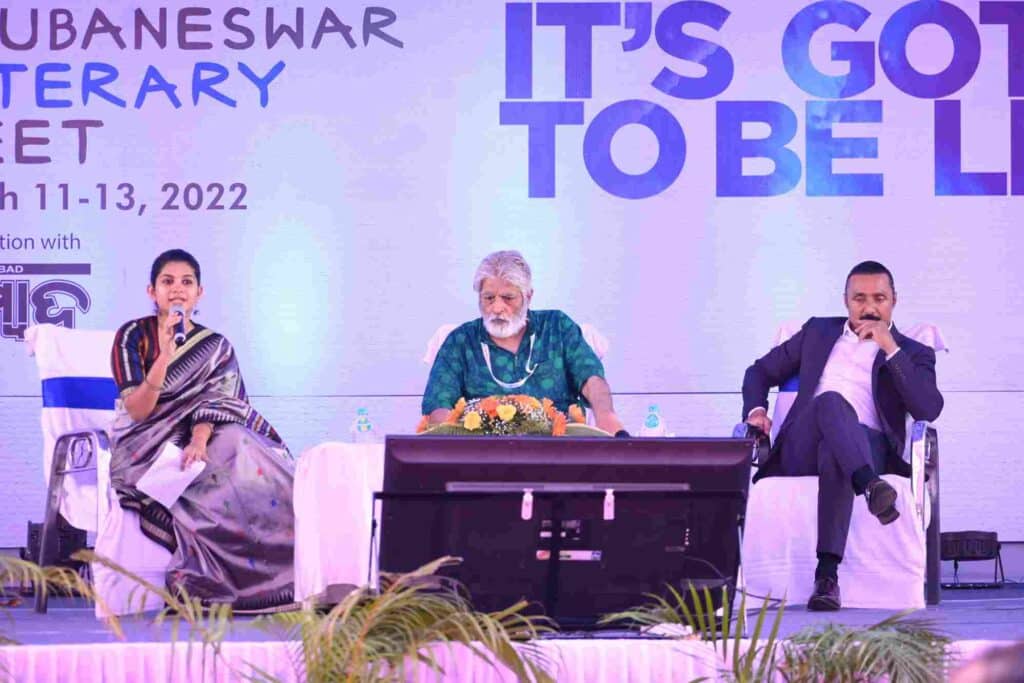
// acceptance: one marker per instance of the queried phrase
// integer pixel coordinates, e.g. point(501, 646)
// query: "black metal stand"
point(998, 575)
point(933, 562)
point(73, 453)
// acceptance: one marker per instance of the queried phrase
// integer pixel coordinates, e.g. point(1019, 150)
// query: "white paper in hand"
point(164, 481)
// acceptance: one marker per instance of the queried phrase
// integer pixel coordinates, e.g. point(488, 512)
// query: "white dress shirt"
point(848, 372)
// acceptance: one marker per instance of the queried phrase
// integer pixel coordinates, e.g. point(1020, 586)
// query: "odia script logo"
point(56, 301)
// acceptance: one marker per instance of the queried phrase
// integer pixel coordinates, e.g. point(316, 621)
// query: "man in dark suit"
point(859, 377)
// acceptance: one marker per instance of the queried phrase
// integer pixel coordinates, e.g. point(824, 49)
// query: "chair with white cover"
point(883, 567)
point(78, 395)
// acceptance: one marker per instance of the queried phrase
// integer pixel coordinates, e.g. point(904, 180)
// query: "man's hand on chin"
point(878, 332)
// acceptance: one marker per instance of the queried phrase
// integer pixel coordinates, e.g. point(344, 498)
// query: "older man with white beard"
point(513, 350)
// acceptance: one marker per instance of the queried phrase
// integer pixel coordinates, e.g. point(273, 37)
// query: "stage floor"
point(974, 615)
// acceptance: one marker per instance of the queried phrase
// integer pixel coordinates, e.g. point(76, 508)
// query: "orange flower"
point(524, 400)
point(549, 408)
point(506, 412)
point(424, 423)
point(558, 423)
point(490, 406)
point(576, 414)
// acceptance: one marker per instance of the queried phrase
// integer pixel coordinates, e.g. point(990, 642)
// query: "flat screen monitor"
point(635, 515)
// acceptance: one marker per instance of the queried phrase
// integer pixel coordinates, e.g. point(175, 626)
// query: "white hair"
point(505, 265)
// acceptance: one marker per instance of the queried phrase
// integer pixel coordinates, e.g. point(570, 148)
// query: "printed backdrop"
point(685, 176)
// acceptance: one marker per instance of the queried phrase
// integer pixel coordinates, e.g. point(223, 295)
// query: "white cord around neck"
point(510, 385)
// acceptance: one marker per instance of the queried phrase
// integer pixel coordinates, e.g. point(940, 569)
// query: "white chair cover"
point(883, 567)
point(78, 392)
point(72, 362)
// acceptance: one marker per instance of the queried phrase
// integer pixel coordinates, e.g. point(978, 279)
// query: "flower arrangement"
point(515, 414)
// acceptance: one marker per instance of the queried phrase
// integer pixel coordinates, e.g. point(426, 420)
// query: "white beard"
point(503, 329)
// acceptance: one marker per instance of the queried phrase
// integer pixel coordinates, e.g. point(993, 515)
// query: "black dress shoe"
point(826, 596)
point(881, 499)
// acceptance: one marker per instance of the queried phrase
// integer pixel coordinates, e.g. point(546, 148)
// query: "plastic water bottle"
point(362, 428)
point(654, 423)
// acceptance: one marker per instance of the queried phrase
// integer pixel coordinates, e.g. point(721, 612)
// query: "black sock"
point(862, 477)
point(828, 566)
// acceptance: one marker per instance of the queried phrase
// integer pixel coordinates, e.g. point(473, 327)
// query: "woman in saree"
point(231, 532)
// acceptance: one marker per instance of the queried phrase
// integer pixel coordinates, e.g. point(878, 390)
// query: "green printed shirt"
point(563, 359)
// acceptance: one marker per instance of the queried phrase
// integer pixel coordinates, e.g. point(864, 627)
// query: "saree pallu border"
point(155, 520)
point(280, 601)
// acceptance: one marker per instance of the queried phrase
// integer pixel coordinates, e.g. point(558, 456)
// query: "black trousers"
point(826, 440)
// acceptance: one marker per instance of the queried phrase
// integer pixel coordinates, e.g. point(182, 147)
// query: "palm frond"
point(386, 635)
point(756, 663)
point(655, 613)
point(207, 624)
point(898, 648)
point(50, 580)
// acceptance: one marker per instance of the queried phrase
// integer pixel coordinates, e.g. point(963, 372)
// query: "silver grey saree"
point(232, 531)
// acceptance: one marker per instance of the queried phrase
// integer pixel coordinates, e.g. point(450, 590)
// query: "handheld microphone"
point(179, 327)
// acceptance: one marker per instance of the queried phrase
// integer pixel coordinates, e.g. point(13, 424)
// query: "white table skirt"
point(591, 661)
point(334, 485)
point(146, 662)
point(574, 661)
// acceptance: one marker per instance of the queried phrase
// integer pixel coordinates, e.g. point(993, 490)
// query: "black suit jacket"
point(904, 384)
